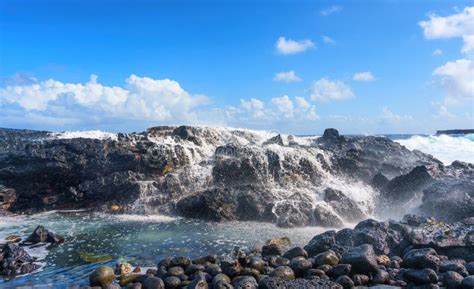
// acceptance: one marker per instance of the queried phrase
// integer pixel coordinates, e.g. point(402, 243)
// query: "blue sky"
point(292, 66)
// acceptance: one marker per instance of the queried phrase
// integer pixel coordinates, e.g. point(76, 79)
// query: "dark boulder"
point(321, 243)
point(42, 235)
point(361, 258)
point(14, 260)
point(295, 252)
point(421, 258)
point(271, 250)
point(452, 280)
point(421, 276)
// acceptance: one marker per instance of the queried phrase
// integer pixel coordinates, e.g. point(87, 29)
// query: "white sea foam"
point(144, 218)
point(91, 134)
point(443, 147)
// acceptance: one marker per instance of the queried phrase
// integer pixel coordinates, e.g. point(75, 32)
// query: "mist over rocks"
point(221, 174)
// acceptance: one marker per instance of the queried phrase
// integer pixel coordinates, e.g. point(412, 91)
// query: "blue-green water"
point(141, 240)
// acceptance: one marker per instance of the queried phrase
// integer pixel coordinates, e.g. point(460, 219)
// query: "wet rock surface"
point(224, 174)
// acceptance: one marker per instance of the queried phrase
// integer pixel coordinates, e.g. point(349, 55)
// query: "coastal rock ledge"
point(222, 174)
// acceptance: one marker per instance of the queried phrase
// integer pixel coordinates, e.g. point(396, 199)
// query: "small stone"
point(454, 265)
point(180, 261)
point(340, 269)
point(360, 279)
point(278, 261)
point(423, 276)
point(470, 268)
point(193, 268)
point(345, 281)
point(129, 278)
point(314, 272)
point(231, 269)
point(245, 282)
point(256, 263)
point(102, 276)
point(271, 250)
point(324, 268)
point(468, 282)
point(295, 252)
point(175, 271)
point(172, 282)
point(250, 272)
point(300, 265)
point(452, 280)
point(198, 283)
point(220, 278)
point(329, 257)
point(213, 269)
point(134, 286)
point(383, 260)
point(284, 273)
point(152, 282)
point(381, 277)
point(165, 262)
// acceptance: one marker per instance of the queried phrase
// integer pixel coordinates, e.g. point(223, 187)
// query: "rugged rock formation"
point(224, 174)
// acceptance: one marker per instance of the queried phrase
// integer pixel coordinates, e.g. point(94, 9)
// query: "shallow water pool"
point(93, 239)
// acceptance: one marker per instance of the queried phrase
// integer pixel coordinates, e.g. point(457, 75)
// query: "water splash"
point(443, 147)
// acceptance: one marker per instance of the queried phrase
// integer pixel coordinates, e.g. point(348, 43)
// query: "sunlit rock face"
point(223, 174)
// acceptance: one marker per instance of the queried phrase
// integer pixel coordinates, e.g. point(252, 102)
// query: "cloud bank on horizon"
point(140, 101)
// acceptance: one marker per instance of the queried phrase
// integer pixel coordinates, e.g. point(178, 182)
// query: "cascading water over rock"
point(227, 174)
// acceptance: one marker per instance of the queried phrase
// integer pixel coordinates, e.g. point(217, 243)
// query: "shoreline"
point(412, 252)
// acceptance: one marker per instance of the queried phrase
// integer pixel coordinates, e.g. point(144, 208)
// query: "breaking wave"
point(91, 134)
point(443, 147)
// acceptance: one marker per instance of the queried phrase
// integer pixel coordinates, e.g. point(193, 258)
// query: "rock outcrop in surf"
point(230, 174)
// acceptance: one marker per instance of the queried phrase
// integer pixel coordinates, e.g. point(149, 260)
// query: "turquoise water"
point(141, 240)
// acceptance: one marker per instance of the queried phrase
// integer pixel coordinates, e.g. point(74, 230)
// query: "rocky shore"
point(417, 252)
point(220, 174)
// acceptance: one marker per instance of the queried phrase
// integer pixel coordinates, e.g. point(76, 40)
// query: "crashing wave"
point(444, 147)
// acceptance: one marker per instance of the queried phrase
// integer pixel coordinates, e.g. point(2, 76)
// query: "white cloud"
point(142, 98)
point(328, 40)
point(288, 76)
point(302, 103)
point(254, 106)
point(390, 116)
point(457, 25)
point(457, 78)
point(326, 90)
point(363, 76)
point(284, 105)
point(292, 110)
point(289, 46)
point(331, 10)
point(437, 52)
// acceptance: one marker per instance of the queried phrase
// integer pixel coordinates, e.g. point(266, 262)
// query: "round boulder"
point(102, 276)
